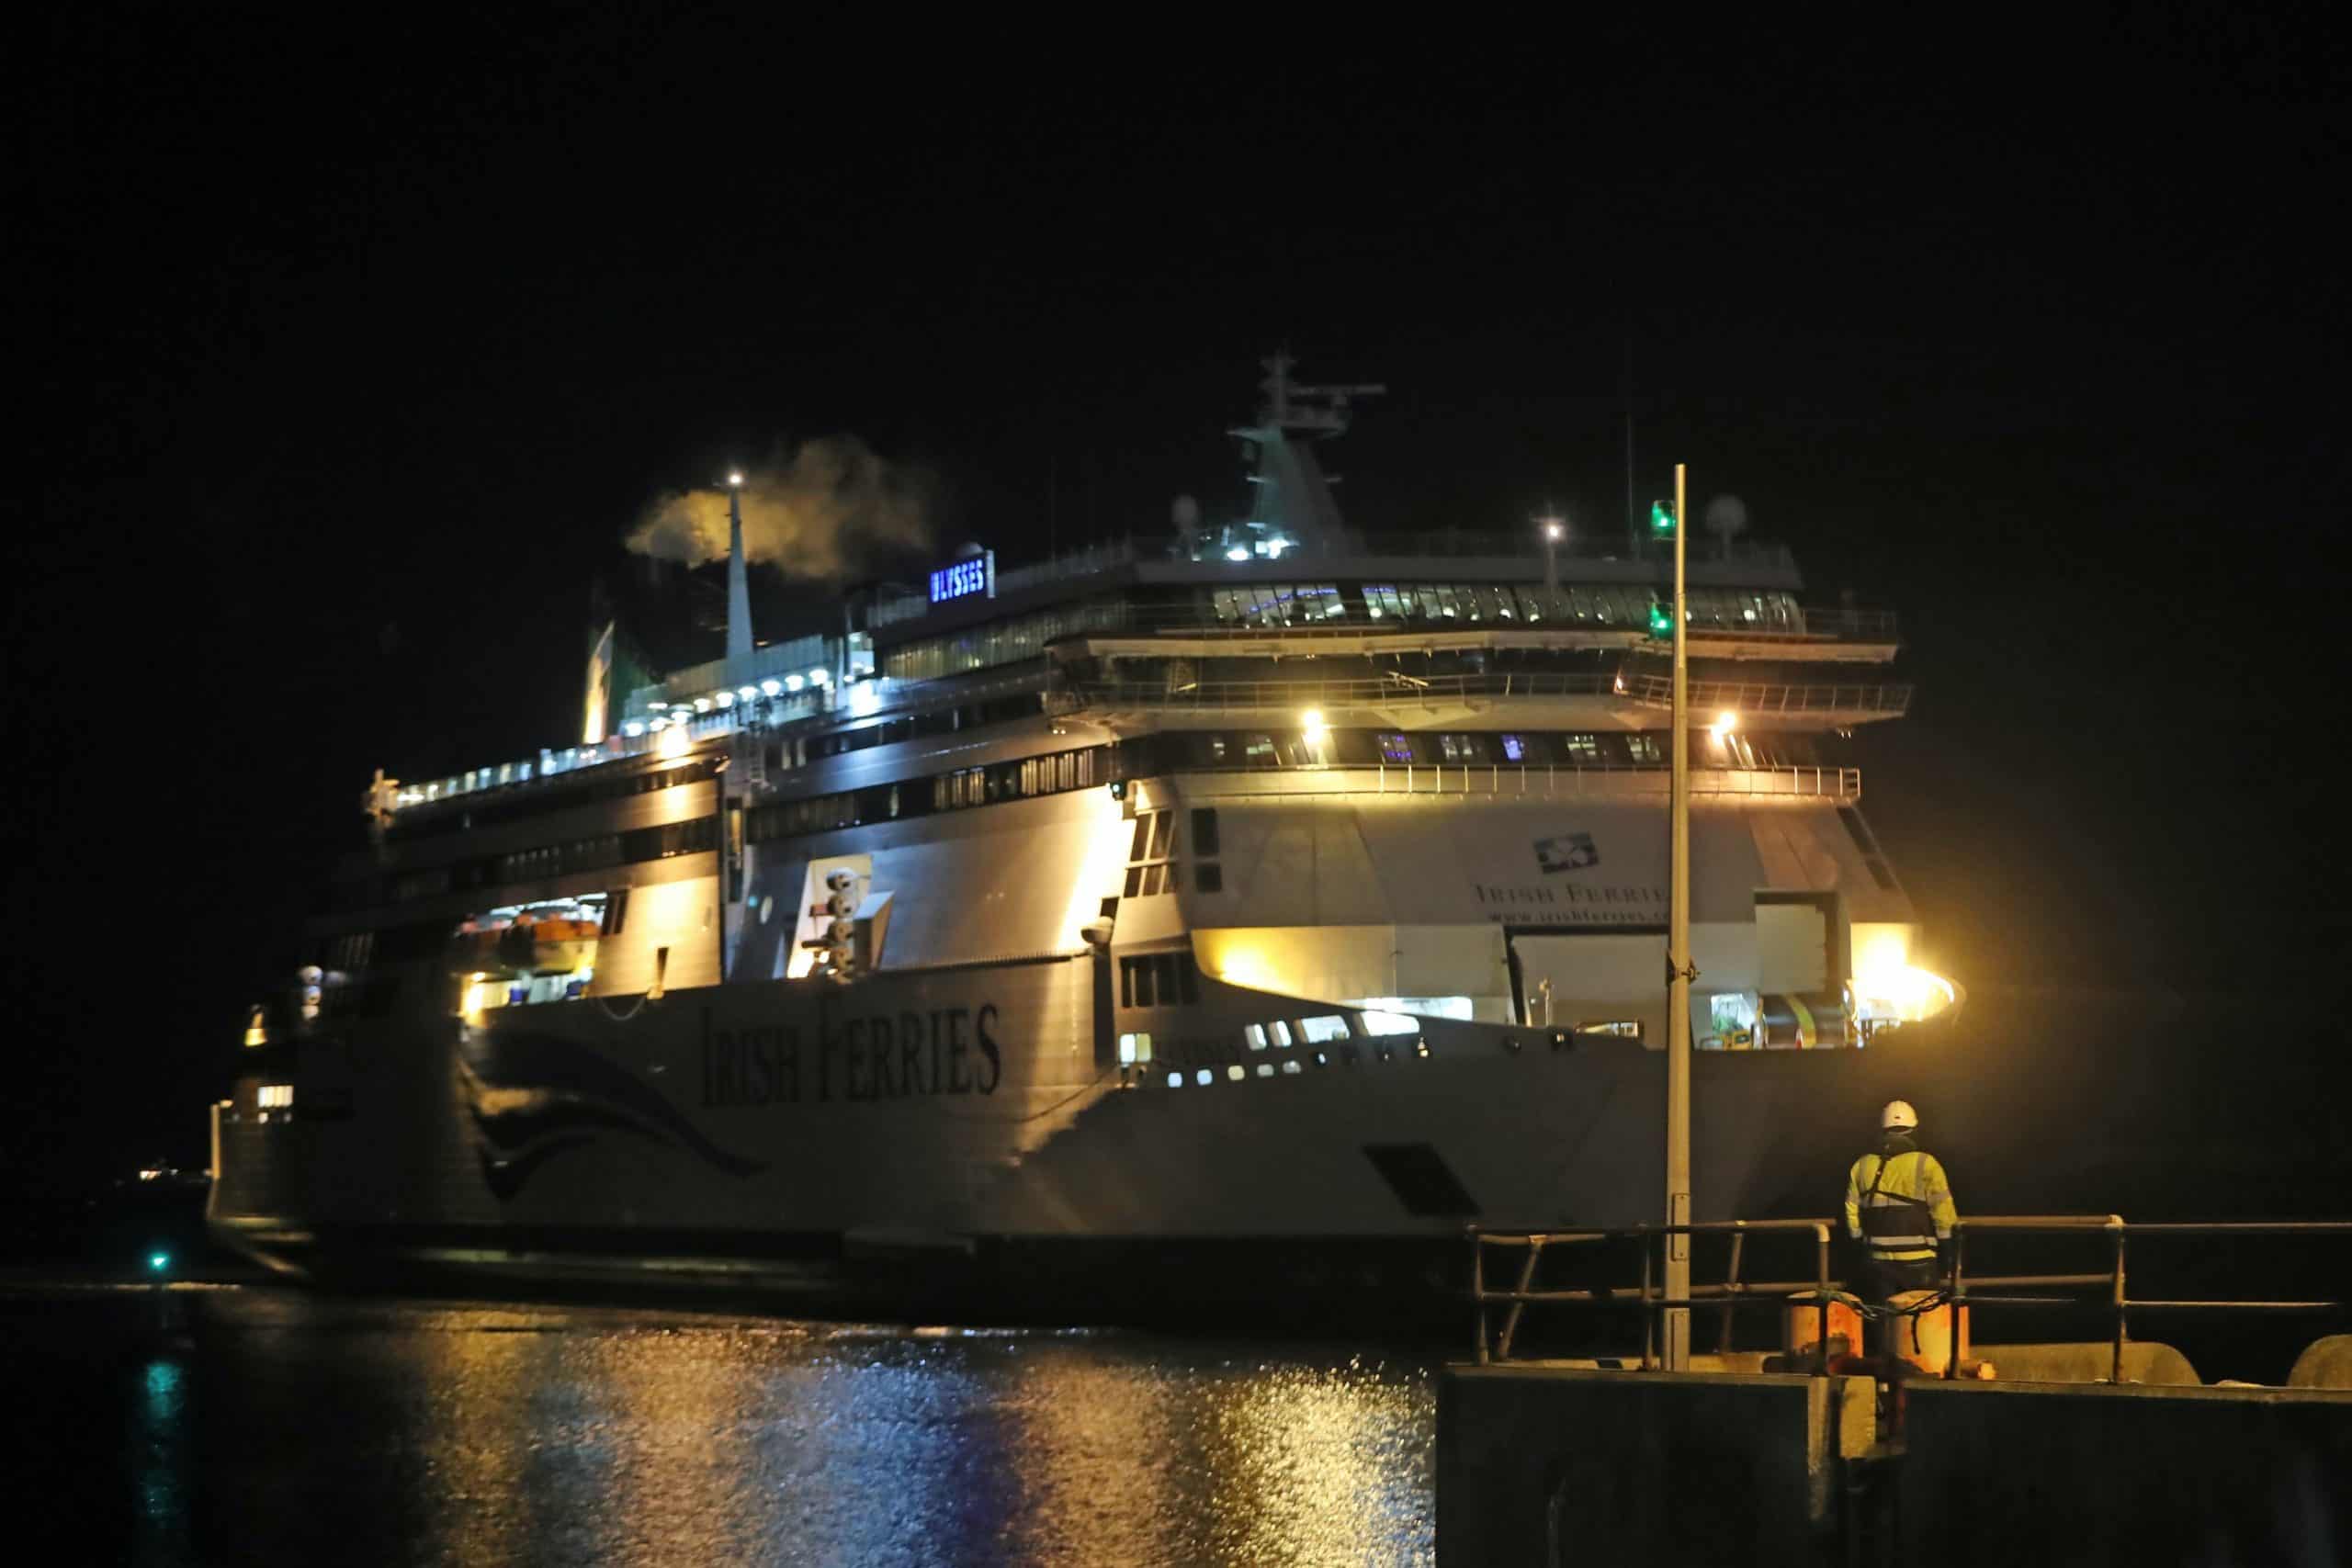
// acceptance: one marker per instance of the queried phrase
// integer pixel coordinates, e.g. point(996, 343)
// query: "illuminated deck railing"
point(1806, 625)
point(1538, 781)
point(1395, 691)
point(1358, 555)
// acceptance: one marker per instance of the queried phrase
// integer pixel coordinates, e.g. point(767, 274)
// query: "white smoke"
point(1726, 515)
point(818, 511)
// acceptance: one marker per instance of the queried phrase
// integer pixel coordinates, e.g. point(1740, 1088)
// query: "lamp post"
point(1555, 528)
point(1678, 974)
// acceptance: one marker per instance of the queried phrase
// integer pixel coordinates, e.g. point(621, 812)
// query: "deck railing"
point(1546, 781)
point(1810, 626)
point(1394, 690)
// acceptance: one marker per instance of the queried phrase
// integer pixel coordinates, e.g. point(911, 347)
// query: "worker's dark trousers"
point(1884, 1278)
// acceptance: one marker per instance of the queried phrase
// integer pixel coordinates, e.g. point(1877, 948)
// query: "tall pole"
point(739, 582)
point(1678, 985)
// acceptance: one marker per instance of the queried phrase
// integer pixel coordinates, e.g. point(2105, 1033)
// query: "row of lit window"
point(275, 1096)
point(1003, 642)
point(1347, 1056)
point(1011, 781)
point(1283, 603)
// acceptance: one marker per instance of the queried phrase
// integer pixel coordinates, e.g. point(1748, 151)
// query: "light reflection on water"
point(283, 1428)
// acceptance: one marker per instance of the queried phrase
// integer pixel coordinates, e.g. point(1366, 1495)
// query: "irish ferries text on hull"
point(1266, 881)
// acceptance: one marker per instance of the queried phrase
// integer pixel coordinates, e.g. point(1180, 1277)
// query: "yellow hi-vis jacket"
point(1902, 1205)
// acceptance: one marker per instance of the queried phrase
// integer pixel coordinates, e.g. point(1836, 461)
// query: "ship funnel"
point(738, 580)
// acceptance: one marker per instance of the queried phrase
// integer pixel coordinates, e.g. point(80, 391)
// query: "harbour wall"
point(1558, 1465)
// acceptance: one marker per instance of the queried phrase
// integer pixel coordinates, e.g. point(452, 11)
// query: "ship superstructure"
point(1271, 880)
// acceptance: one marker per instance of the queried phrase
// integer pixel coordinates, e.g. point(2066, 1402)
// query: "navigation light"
point(159, 1261)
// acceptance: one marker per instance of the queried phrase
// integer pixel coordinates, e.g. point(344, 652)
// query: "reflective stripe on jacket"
point(1902, 1202)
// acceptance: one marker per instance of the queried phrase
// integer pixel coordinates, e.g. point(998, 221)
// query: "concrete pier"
point(1554, 1465)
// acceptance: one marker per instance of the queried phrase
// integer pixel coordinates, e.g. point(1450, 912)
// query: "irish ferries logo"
point(1568, 851)
point(533, 1095)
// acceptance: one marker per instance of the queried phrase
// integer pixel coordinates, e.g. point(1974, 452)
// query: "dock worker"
point(1898, 1201)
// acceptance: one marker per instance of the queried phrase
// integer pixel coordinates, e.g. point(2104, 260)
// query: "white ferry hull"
point(719, 1136)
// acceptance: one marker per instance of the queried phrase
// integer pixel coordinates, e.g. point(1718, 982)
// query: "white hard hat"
point(1898, 1117)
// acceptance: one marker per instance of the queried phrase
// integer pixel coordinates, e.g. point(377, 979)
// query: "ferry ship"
point(1135, 924)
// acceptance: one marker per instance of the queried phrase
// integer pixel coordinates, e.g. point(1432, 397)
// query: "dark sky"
point(355, 354)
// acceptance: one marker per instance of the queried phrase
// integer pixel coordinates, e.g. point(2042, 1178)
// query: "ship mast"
point(1292, 508)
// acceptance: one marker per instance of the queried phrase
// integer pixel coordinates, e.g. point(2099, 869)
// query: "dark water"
point(257, 1426)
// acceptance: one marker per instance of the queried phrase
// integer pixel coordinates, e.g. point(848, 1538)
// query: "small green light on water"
point(159, 1261)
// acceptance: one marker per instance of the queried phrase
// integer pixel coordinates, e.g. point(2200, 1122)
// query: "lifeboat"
point(551, 946)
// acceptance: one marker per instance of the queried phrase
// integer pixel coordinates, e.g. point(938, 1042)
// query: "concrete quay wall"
point(1556, 1465)
point(2056, 1472)
point(1551, 1465)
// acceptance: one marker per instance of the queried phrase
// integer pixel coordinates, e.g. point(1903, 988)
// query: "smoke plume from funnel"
point(820, 510)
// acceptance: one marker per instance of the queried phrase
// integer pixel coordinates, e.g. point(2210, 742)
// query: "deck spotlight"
point(818, 677)
point(1237, 552)
point(772, 686)
point(734, 478)
point(1311, 728)
point(1726, 722)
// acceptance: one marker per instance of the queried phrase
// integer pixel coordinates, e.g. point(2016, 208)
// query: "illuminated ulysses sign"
point(965, 578)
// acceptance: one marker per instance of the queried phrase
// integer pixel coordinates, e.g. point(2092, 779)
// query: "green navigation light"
point(1661, 620)
point(159, 1261)
point(1662, 519)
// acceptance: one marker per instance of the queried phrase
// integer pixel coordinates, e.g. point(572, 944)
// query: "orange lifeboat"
point(555, 945)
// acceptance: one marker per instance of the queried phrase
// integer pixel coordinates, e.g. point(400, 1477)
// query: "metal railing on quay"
point(1961, 1290)
point(2119, 1304)
point(1648, 1298)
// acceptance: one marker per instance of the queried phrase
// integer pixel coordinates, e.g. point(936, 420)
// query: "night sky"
point(355, 356)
